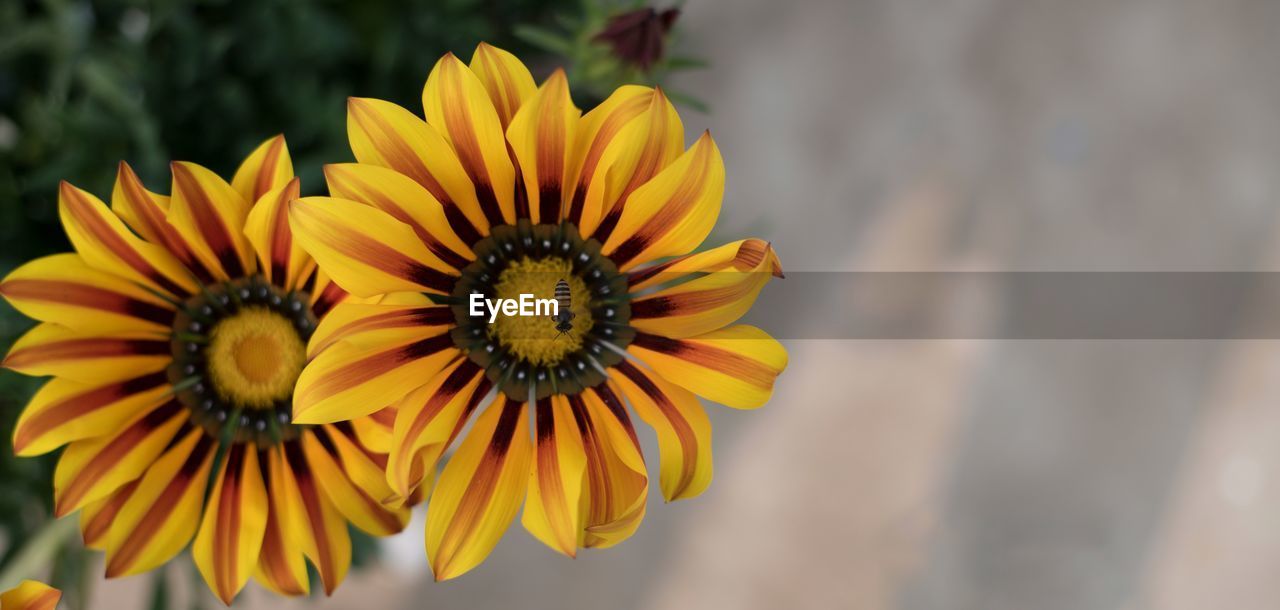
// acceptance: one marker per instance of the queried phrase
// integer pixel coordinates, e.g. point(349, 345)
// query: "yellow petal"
point(266, 169)
point(743, 255)
point(350, 380)
point(386, 135)
point(617, 483)
point(733, 366)
point(458, 106)
point(337, 471)
point(50, 349)
point(325, 294)
point(506, 79)
point(92, 469)
point(210, 216)
point(64, 290)
point(552, 509)
point(635, 154)
point(282, 567)
point(406, 201)
point(145, 212)
point(63, 410)
point(162, 513)
point(227, 546)
point(672, 213)
point(374, 432)
point(480, 490)
point(365, 250)
point(362, 323)
point(30, 595)
point(96, 517)
point(595, 132)
point(309, 519)
point(713, 301)
point(105, 243)
point(542, 136)
point(280, 257)
point(427, 421)
point(684, 432)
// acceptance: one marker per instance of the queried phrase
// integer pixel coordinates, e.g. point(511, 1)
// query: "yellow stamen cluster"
point(535, 339)
point(254, 357)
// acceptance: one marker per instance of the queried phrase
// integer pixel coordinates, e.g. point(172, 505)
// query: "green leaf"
point(544, 39)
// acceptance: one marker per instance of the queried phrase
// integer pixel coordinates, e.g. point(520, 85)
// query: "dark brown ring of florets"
point(193, 326)
point(608, 303)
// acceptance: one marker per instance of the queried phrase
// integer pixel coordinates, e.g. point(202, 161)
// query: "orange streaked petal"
point(672, 213)
point(365, 250)
point(282, 567)
point(427, 422)
point(146, 213)
point(352, 482)
point(716, 299)
point(734, 366)
point(163, 512)
point(30, 595)
point(280, 257)
point(506, 79)
point(64, 410)
point(457, 105)
point(617, 483)
point(684, 432)
point(741, 255)
point(96, 517)
point(364, 322)
point(374, 432)
point(596, 130)
point(266, 169)
point(635, 154)
point(63, 289)
point(227, 546)
point(542, 137)
point(346, 380)
point(325, 294)
point(480, 490)
point(92, 469)
point(210, 215)
point(552, 511)
point(386, 135)
point(310, 520)
point(105, 243)
point(50, 349)
point(406, 201)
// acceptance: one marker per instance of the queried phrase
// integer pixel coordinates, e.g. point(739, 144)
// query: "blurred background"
point(894, 135)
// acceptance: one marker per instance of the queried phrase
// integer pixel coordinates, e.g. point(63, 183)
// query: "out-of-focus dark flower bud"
point(638, 36)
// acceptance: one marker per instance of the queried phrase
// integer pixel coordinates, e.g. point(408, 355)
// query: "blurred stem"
point(38, 552)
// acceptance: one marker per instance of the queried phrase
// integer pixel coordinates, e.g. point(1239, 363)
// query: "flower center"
point(255, 357)
point(536, 356)
point(238, 349)
point(535, 339)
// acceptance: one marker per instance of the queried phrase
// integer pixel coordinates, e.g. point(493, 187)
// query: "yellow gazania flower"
point(505, 189)
point(180, 323)
point(30, 595)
